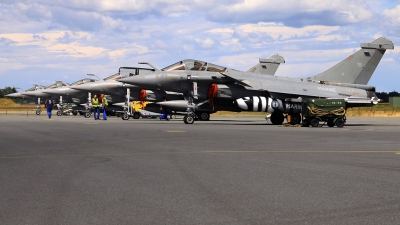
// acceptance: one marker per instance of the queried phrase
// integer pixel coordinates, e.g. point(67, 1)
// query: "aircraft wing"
point(235, 80)
point(296, 89)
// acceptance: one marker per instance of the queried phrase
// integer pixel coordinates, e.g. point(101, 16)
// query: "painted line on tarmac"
point(306, 151)
point(175, 131)
point(198, 152)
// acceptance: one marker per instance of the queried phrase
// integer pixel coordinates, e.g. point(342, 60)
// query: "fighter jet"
point(206, 86)
point(111, 86)
point(22, 95)
point(68, 95)
point(37, 92)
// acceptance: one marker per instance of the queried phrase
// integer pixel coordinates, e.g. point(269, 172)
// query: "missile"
point(176, 104)
point(120, 104)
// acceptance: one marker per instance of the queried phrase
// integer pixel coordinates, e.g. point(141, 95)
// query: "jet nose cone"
point(15, 95)
point(149, 81)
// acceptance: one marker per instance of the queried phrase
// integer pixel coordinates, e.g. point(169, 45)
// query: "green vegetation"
point(7, 90)
point(380, 110)
point(384, 96)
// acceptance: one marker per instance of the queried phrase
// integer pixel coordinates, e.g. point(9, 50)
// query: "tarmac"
point(230, 170)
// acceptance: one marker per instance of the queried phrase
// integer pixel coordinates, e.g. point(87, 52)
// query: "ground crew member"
point(96, 107)
point(49, 106)
point(104, 102)
point(164, 115)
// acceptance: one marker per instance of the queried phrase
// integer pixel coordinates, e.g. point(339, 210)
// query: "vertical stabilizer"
point(268, 66)
point(359, 67)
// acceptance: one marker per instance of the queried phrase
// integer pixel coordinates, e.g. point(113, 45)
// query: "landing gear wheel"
point(277, 118)
point(339, 123)
point(38, 112)
point(59, 113)
point(125, 116)
point(87, 114)
point(188, 119)
point(204, 116)
point(296, 118)
point(136, 116)
point(314, 122)
point(331, 123)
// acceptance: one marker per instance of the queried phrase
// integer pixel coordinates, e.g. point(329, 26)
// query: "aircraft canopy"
point(197, 65)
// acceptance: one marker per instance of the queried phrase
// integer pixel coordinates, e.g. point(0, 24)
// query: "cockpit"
point(113, 77)
point(196, 65)
point(83, 81)
point(132, 71)
point(56, 85)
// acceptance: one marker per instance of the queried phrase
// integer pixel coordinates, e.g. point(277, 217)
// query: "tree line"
point(7, 90)
point(384, 96)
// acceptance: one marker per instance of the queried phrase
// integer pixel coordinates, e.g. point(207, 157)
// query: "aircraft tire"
point(188, 119)
point(296, 118)
point(38, 112)
point(125, 116)
point(339, 123)
point(277, 118)
point(136, 115)
point(204, 116)
point(59, 113)
point(87, 114)
point(314, 122)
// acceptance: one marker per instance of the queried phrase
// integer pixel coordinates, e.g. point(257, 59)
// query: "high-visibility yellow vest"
point(95, 102)
point(105, 101)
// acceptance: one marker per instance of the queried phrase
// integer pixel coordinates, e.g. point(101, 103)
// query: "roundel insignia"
point(275, 104)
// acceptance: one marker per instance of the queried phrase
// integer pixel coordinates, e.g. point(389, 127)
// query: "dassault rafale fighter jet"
point(69, 95)
point(37, 92)
point(209, 87)
point(21, 95)
point(111, 86)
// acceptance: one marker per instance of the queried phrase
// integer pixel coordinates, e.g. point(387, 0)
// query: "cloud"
point(57, 42)
point(101, 35)
point(393, 15)
point(205, 43)
point(293, 12)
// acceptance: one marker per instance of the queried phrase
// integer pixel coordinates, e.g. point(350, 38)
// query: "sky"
point(42, 41)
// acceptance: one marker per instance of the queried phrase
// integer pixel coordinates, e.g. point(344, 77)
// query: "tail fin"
point(268, 66)
point(359, 67)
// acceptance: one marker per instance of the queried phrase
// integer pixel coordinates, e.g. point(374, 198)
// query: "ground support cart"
point(331, 111)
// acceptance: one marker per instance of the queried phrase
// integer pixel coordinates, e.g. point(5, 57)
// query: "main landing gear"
point(277, 118)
